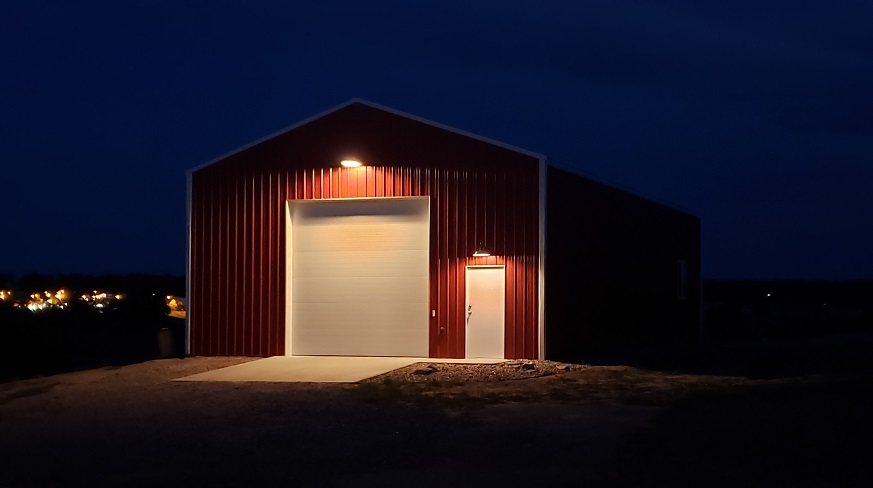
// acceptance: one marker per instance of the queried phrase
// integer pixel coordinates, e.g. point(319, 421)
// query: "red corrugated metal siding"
point(479, 193)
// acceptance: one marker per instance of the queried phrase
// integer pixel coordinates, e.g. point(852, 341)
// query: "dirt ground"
point(464, 425)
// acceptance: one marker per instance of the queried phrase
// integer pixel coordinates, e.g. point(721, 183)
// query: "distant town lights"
point(60, 299)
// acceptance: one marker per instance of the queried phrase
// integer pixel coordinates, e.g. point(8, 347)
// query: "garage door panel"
point(383, 290)
point(353, 234)
point(371, 330)
point(358, 263)
point(372, 316)
point(394, 345)
point(401, 209)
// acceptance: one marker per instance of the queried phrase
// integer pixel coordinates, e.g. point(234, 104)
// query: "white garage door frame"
point(291, 206)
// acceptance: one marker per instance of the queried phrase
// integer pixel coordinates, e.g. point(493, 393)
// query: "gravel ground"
point(132, 426)
point(514, 423)
point(457, 373)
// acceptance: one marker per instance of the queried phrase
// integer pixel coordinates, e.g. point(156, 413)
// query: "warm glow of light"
point(350, 163)
point(118, 297)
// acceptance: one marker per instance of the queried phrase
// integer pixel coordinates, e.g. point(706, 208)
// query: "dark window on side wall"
point(681, 279)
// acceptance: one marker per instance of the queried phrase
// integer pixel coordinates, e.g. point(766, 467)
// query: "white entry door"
point(485, 308)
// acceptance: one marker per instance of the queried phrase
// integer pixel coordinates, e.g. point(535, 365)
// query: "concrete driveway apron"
point(318, 369)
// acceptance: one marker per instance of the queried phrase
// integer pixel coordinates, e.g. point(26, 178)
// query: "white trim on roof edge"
point(379, 107)
point(450, 129)
point(270, 136)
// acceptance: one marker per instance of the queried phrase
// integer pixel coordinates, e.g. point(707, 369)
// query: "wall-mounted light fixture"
point(350, 163)
point(481, 251)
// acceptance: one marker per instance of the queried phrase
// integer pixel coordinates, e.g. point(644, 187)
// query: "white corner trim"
point(189, 309)
point(541, 312)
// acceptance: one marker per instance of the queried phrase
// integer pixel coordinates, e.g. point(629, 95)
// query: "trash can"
point(165, 343)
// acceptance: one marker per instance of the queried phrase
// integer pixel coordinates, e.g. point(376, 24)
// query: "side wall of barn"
point(614, 269)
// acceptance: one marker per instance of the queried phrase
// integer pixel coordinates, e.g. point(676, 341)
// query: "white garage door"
point(359, 272)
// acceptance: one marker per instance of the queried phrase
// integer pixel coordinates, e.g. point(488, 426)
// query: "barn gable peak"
point(359, 102)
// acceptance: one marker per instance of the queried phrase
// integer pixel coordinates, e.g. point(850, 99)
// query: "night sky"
point(756, 116)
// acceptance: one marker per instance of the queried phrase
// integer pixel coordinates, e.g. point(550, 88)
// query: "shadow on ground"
point(776, 358)
point(789, 433)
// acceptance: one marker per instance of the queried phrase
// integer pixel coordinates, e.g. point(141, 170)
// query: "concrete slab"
point(318, 369)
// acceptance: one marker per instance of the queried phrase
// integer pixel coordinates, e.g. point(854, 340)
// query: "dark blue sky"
point(757, 116)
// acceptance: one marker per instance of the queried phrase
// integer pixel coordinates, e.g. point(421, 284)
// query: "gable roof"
point(358, 101)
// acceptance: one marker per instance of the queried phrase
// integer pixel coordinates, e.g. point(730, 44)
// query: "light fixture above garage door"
point(350, 163)
point(481, 251)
